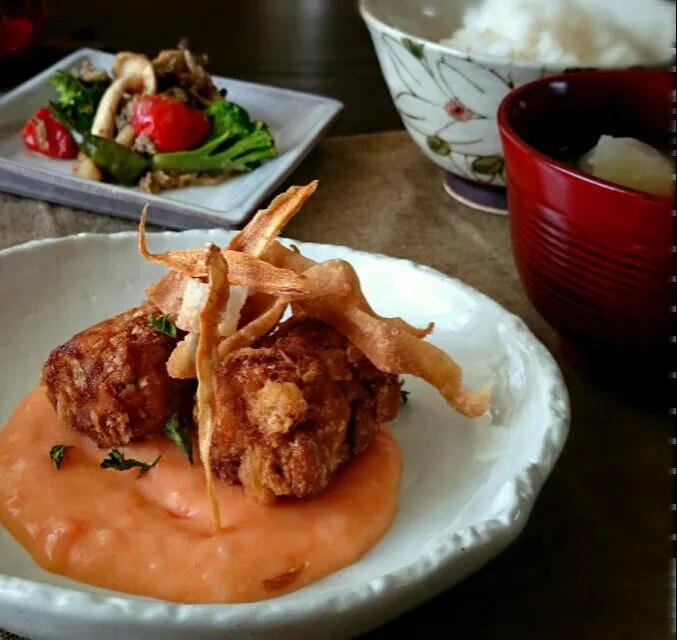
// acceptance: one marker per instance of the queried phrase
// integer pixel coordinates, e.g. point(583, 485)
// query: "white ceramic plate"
point(298, 121)
point(467, 489)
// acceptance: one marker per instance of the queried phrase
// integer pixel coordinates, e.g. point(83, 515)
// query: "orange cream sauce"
point(153, 536)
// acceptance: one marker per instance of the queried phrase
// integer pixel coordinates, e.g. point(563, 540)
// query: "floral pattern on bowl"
point(448, 103)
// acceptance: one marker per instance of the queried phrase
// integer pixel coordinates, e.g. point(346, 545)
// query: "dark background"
point(321, 46)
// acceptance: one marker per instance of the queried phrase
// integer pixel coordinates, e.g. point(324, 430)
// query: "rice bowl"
point(448, 97)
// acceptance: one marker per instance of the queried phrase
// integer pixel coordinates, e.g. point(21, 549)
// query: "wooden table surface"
point(322, 46)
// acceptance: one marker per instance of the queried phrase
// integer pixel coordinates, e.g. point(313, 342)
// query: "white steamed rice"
point(572, 32)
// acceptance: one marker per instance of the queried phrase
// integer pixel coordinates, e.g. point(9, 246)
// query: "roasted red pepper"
point(169, 123)
point(46, 135)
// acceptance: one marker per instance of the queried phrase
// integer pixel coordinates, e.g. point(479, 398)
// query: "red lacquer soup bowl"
point(595, 258)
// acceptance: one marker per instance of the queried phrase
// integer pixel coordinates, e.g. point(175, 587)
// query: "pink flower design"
point(458, 111)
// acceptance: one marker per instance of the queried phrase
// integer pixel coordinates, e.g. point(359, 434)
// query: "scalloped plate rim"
point(497, 532)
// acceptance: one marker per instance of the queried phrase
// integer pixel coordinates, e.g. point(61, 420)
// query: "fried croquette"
point(110, 381)
point(307, 401)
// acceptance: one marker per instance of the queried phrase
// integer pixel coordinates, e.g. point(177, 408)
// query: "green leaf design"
point(488, 165)
point(415, 48)
point(438, 146)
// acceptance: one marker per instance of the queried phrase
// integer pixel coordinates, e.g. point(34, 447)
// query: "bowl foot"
point(486, 198)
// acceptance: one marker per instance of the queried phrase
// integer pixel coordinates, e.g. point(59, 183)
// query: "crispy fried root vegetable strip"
point(261, 233)
point(332, 277)
point(266, 225)
point(182, 298)
point(255, 330)
point(181, 363)
point(243, 270)
point(293, 259)
point(259, 275)
point(206, 363)
point(209, 354)
point(391, 348)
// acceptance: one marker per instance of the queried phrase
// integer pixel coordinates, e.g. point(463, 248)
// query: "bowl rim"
point(507, 131)
point(370, 17)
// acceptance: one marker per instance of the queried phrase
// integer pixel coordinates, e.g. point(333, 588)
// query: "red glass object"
point(595, 258)
point(21, 25)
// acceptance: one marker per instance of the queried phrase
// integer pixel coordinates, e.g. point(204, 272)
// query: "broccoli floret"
point(78, 100)
point(236, 144)
point(229, 117)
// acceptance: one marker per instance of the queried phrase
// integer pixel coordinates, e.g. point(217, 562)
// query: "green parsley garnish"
point(163, 324)
point(404, 396)
point(180, 435)
point(116, 460)
point(57, 452)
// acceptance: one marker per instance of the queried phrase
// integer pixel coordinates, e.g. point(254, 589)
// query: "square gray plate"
point(298, 121)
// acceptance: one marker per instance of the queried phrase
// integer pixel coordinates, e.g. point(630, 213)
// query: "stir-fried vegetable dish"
point(159, 124)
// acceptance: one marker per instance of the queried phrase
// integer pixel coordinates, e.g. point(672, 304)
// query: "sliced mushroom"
point(84, 167)
point(133, 73)
point(127, 63)
point(104, 120)
point(126, 136)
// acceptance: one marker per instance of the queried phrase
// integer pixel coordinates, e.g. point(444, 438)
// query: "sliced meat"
point(158, 181)
point(186, 70)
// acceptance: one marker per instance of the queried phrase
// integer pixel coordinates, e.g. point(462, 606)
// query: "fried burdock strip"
point(339, 279)
point(243, 266)
point(262, 231)
point(206, 362)
point(181, 293)
point(267, 224)
point(216, 402)
point(392, 344)
point(230, 413)
point(243, 270)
